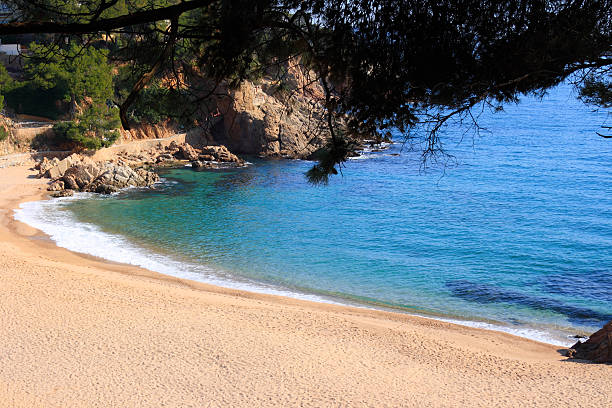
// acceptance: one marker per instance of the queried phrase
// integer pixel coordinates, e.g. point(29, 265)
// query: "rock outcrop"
point(598, 348)
point(175, 153)
point(55, 168)
point(79, 173)
point(106, 178)
point(219, 154)
point(272, 118)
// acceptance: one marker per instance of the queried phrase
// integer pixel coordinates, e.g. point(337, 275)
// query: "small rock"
point(196, 164)
point(57, 185)
point(63, 193)
point(105, 189)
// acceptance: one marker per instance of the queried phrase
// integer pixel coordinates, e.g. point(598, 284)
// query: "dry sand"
point(79, 332)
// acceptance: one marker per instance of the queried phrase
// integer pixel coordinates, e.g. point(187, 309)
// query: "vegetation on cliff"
point(381, 64)
point(69, 82)
point(3, 133)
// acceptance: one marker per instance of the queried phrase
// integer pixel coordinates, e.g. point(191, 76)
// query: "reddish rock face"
point(598, 348)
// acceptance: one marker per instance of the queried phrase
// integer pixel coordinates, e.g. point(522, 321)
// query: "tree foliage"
point(597, 91)
point(82, 77)
point(5, 84)
point(382, 63)
point(76, 73)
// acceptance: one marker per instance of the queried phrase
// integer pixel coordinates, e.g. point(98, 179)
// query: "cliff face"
point(272, 118)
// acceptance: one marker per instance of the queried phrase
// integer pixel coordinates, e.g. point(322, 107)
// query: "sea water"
point(512, 230)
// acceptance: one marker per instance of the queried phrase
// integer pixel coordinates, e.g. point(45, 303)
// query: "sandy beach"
point(80, 332)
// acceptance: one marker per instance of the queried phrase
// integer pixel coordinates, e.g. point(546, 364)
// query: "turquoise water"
point(518, 232)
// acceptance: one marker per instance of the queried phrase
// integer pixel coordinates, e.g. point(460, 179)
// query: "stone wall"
point(19, 137)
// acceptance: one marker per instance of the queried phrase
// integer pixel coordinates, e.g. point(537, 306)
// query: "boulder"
point(70, 183)
point(220, 154)
point(63, 193)
point(598, 348)
point(46, 164)
point(55, 170)
point(196, 164)
point(187, 152)
point(80, 176)
point(148, 177)
point(105, 189)
point(56, 186)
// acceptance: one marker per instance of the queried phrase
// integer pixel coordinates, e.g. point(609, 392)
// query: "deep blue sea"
point(514, 233)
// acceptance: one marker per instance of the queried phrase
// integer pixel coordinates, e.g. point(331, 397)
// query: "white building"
point(10, 49)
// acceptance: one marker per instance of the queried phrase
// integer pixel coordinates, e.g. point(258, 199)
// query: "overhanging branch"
point(146, 78)
point(140, 17)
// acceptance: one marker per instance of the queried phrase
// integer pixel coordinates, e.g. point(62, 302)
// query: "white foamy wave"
point(557, 339)
point(363, 156)
point(52, 218)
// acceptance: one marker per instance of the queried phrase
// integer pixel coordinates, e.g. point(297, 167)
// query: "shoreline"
point(126, 253)
point(266, 348)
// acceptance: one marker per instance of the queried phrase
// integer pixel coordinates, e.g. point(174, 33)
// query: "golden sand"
point(80, 332)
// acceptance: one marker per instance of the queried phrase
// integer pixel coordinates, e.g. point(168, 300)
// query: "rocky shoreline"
point(79, 172)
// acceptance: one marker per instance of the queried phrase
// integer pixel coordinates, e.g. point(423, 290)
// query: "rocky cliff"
point(279, 116)
point(272, 118)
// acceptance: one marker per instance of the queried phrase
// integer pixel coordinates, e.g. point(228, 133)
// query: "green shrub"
point(3, 133)
point(94, 129)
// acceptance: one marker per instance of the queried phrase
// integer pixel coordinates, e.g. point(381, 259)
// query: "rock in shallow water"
point(63, 193)
point(56, 186)
point(199, 165)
